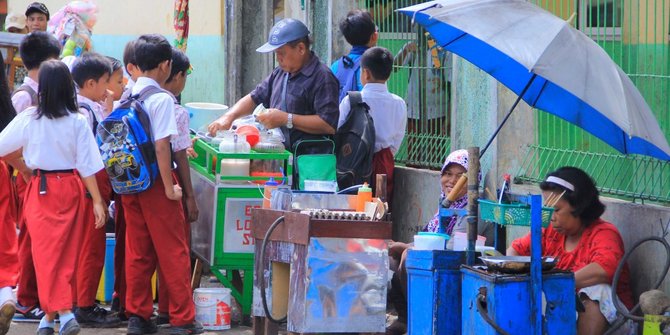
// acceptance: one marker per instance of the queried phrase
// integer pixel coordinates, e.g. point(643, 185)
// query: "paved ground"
point(30, 328)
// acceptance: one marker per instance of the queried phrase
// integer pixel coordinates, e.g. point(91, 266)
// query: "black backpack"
point(355, 144)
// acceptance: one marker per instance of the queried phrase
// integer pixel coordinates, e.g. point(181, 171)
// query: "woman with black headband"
point(584, 244)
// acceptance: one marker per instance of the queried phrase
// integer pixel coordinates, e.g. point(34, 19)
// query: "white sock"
point(46, 324)
point(6, 294)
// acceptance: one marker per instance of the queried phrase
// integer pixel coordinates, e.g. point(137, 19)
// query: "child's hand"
point(109, 101)
point(100, 213)
point(192, 211)
point(174, 193)
point(190, 153)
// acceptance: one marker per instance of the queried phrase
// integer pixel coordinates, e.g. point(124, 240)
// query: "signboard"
point(237, 225)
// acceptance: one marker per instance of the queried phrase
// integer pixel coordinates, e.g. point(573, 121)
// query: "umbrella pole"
point(508, 115)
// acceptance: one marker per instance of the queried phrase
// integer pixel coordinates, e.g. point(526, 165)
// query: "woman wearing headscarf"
point(453, 168)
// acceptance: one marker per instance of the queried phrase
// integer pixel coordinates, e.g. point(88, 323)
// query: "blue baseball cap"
point(286, 30)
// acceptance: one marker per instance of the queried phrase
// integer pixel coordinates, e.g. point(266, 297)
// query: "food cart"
point(221, 237)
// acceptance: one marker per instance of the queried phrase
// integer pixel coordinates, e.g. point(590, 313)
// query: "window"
point(600, 19)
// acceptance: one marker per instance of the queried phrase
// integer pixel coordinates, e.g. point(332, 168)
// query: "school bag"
point(127, 145)
point(346, 75)
point(355, 144)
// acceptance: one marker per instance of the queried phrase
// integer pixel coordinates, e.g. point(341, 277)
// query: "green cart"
point(221, 237)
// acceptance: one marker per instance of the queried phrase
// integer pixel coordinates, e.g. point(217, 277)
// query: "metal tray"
point(515, 264)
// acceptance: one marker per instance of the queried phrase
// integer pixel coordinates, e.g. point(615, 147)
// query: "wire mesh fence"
point(422, 76)
point(635, 33)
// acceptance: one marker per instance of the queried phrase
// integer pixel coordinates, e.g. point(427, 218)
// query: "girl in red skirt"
point(9, 262)
point(59, 147)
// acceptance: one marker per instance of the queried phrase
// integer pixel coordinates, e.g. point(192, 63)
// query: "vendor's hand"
point(192, 211)
point(222, 123)
point(173, 193)
point(273, 118)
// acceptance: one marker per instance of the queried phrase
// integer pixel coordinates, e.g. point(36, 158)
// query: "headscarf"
point(459, 157)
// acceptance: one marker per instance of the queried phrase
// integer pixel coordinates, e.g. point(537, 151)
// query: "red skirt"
point(53, 212)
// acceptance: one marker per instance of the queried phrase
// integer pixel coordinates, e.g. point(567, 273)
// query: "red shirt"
point(600, 243)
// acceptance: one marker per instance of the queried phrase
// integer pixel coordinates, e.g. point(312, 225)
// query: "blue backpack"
point(127, 145)
point(346, 75)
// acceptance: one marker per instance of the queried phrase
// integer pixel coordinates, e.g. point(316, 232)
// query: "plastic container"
point(212, 307)
point(515, 214)
point(201, 114)
point(233, 143)
point(364, 195)
point(430, 241)
point(270, 185)
point(250, 132)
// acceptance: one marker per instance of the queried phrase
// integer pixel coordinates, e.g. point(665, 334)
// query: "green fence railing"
point(635, 34)
point(422, 74)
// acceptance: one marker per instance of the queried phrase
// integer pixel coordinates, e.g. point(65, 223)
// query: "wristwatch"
point(289, 122)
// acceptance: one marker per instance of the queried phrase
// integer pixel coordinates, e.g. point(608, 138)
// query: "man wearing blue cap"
point(301, 94)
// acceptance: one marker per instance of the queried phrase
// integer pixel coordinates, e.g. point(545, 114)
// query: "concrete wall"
point(120, 21)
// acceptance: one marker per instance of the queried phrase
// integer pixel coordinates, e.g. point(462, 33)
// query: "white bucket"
point(212, 307)
point(201, 114)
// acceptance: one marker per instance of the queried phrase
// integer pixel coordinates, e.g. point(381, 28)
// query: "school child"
point(9, 271)
point(91, 72)
point(388, 111)
point(54, 198)
point(35, 48)
point(361, 33)
point(119, 298)
point(155, 217)
point(115, 86)
point(180, 143)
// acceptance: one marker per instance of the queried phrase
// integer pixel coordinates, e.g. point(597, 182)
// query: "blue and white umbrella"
point(549, 64)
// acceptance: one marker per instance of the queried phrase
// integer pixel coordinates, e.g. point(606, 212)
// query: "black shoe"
point(96, 317)
point(70, 328)
point(194, 328)
point(6, 314)
point(139, 326)
point(30, 312)
point(162, 319)
point(116, 304)
point(46, 331)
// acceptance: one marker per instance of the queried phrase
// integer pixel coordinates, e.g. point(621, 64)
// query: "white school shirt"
point(388, 111)
point(22, 100)
point(53, 144)
point(182, 140)
point(160, 107)
point(96, 107)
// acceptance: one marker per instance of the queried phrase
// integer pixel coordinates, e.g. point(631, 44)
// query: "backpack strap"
point(356, 102)
point(146, 92)
point(346, 74)
point(90, 110)
point(26, 88)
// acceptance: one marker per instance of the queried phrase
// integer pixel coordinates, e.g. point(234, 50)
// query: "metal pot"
point(515, 264)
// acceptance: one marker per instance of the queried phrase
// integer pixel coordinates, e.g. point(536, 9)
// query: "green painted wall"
point(206, 53)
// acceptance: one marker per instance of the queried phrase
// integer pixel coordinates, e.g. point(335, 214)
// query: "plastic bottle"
point(364, 195)
point(234, 144)
point(270, 185)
